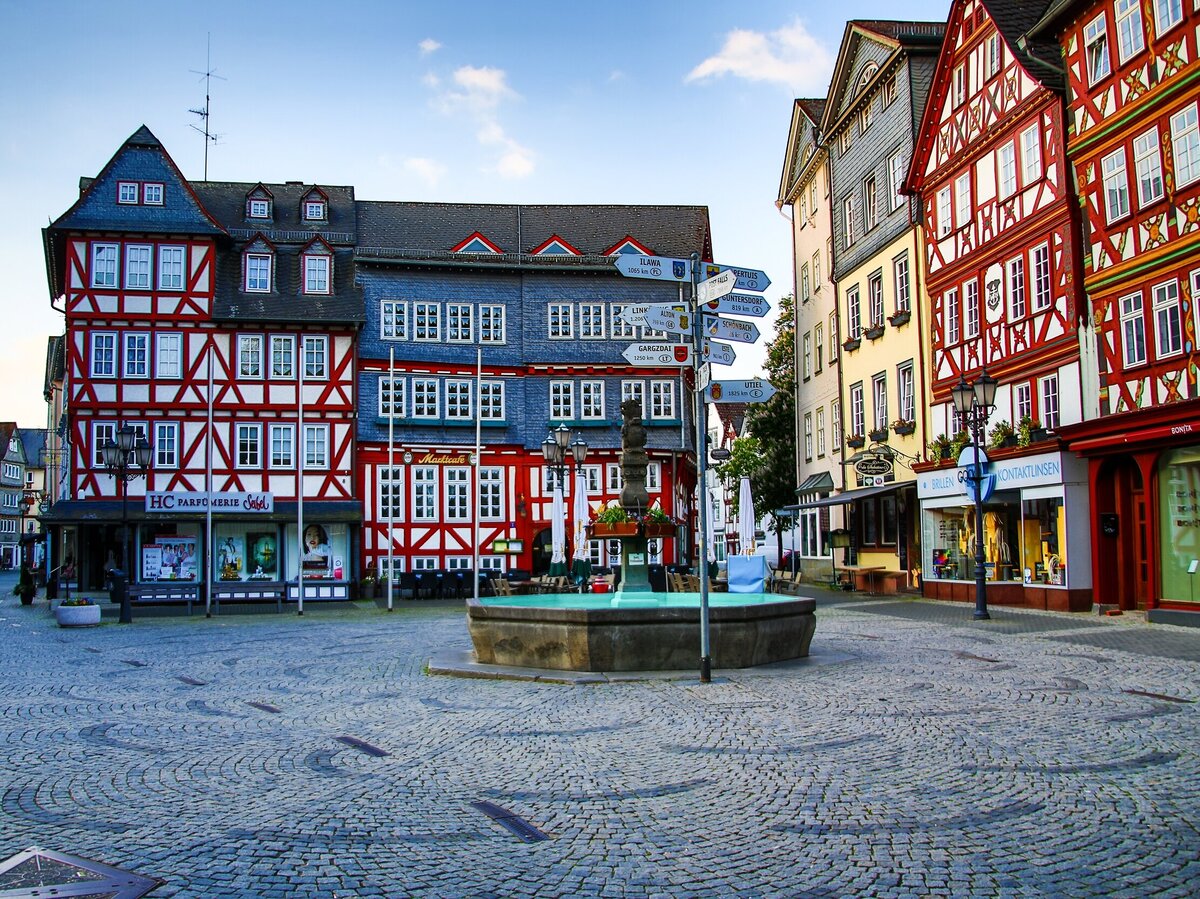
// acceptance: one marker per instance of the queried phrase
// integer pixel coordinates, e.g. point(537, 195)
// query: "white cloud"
point(478, 92)
point(429, 45)
point(479, 89)
point(515, 161)
point(790, 57)
point(429, 170)
point(430, 80)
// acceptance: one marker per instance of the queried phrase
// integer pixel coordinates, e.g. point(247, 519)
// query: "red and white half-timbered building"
point(1002, 239)
point(219, 322)
point(1134, 122)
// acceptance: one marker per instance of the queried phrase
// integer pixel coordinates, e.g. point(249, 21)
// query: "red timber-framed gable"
point(1000, 233)
point(1140, 193)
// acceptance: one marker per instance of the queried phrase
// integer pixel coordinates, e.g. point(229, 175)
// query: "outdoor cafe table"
point(863, 575)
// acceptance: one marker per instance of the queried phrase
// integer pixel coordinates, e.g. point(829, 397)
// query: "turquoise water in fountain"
point(632, 600)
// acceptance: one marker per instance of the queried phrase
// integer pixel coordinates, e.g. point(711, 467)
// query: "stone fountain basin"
point(569, 632)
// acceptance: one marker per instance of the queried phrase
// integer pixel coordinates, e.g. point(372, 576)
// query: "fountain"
point(636, 629)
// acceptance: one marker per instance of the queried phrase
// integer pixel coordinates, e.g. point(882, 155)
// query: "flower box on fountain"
point(657, 523)
point(612, 521)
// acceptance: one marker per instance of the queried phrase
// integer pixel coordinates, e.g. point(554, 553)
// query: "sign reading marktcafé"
point(201, 502)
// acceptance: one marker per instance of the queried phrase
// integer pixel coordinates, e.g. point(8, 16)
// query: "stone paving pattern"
point(917, 753)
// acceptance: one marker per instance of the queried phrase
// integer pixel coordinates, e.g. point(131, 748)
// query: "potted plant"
point(78, 611)
point(958, 443)
point(939, 448)
point(904, 426)
point(1029, 430)
point(613, 521)
point(25, 588)
point(369, 586)
point(900, 317)
point(855, 441)
point(657, 523)
point(851, 343)
point(1002, 435)
point(878, 435)
point(382, 585)
point(874, 332)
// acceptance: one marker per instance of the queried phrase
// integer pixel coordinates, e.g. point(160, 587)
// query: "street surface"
point(917, 753)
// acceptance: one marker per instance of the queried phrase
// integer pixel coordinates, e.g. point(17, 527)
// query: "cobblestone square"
point(917, 753)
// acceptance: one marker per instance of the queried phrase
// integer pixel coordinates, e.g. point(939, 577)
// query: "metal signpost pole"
point(701, 485)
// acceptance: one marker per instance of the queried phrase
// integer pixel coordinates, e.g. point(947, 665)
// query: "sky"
point(473, 102)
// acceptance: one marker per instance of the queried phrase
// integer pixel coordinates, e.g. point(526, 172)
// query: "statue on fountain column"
point(634, 461)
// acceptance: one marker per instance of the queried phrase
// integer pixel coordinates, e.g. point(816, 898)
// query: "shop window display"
point(169, 554)
point(1179, 520)
point(950, 540)
point(1044, 542)
point(326, 548)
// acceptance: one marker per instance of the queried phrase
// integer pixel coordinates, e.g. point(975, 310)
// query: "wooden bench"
point(165, 593)
point(249, 592)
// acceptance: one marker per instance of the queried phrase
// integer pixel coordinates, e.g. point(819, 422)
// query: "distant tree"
point(773, 423)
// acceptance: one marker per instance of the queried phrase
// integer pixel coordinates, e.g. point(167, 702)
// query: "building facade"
point(1133, 104)
point(12, 494)
point(804, 188)
point(1002, 241)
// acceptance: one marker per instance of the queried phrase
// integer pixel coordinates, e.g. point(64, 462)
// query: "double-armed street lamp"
point(557, 448)
point(974, 403)
point(117, 460)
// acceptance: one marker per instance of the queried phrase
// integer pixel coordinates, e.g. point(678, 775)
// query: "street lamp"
point(557, 448)
point(974, 403)
point(116, 460)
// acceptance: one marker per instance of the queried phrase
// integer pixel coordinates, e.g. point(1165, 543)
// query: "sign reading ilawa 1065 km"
point(657, 268)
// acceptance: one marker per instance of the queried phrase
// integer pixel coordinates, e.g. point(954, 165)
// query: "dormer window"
point(258, 209)
point(316, 273)
point(152, 194)
point(314, 211)
point(127, 193)
point(258, 272)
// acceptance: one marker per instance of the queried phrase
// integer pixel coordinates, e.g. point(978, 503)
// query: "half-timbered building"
point(218, 321)
point(514, 319)
point(1133, 73)
point(1001, 246)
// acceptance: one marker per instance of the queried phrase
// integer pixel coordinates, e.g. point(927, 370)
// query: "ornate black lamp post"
point(117, 461)
point(555, 449)
point(974, 403)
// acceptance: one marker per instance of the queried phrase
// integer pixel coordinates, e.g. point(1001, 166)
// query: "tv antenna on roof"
point(208, 74)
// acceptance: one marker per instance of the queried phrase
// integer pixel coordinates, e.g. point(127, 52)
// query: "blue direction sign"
point(748, 304)
point(747, 278)
point(717, 353)
point(756, 391)
point(658, 268)
point(730, 329)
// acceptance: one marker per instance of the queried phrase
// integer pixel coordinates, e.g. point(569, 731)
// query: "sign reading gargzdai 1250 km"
point(756, 391)
point(658, 268)
point(658, 354)
point(183, 502)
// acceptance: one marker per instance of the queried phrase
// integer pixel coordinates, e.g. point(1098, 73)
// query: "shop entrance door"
point(1122, 550)
point(542, 550)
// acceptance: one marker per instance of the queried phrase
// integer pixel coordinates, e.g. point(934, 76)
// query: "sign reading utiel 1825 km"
point(658, 354)
point(747, 278)
point(756, 391)
point(657, 268)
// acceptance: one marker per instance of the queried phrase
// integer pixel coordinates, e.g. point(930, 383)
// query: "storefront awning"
point(848, 496)
point(816, 483)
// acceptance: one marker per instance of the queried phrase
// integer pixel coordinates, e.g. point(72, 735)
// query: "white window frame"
point(591, 321)
point(959, 85)
point(560, 321)
point(1147, 163)
point(1014, 272)
point(1023, 404)
point(426, 321)
point(879, 400)
point(316, 447)
point(902, 282)
point(250, 357)
point(460, 323)
point(962, 200)
point(1133, 329)
point(971, 309)
point(391, 400)
point(282, 451)
point(170, 266)
point(875, 299)
point(258, 208)
point(258, 272)
point(853, 314)
point(953, 334)
point(662, 400)
point(1031, 155)
point(1006, 166)
point(315, 210)
point(1115, 184)
point(166, 444)
point(820, 432)
point(808, 437)
point(858, 412)
point(818, 333)
point(835, 425)
point(103, 354)
point(1043, 289)
point(617, 326)
point(318, 273)
point(945, 221)
point(460, 401)
point(1185, 145)
point(393, 320)
point(315, 351)
point(425, 493)
point(634, 390)
point(848, 220)
point(456, 485)
point(248, 445)
point(869, 199)
point(1131, 33)
point(102, 432)
point(168, 355)
point(492, 323)
point(896, 173)
point(491, 401)
point(104, 264)
point(806, 357)
point(562, 400)
point(128, 193)
point(1167, 14)
point(1048, 389)
point(591, 400)
point(135, 354)
point(1095, 41)
point(906, 391)
point(1168, 321)
point(138, 266)
point(426, 398)
point(389, 481)
point(153, 193)
point(992, 56)
point(283, 356)
point(491, 494)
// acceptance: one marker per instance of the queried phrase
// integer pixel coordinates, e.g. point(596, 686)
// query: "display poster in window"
point(317, 560)
point(151, 562)
point(178, 558)
point(264, 556)
point(230, 553)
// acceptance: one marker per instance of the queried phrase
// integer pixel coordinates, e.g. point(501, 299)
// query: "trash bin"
point(118, 585)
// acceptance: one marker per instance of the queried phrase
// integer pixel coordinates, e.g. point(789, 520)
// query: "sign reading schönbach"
point(157, 501)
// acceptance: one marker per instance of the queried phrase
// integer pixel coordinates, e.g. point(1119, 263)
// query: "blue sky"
point(528, 102)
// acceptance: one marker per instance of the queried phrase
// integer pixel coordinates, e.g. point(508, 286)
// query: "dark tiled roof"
point(1041, 58)
point(434, 228)
point(6, 432)
point(908, 34)
point(813, 108)
point(1053, 17)
point(227, 202)
point(34, 441)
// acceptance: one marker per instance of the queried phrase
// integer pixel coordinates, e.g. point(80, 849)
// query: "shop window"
point(1179, 521)
point(245, 552)
point(949, 540)
point(169, 553)
point(326, 548)
point(877, 522)
point(1044, 541)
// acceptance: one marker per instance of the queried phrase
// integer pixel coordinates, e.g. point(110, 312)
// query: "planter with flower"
point(25, 588)
point(1029, 430)
point(851, 343)
point(78, 611)
point(874, 332)
point(1002, 435)
point(958, 443)
point(657, 523)
point(904, 426)
point(939, 448)
point(369, 586)
point(855, 441)
point(878, 435)
point(613, 521)
point(900, 317)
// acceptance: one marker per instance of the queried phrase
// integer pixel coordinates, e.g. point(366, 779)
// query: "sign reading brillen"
point(157, 501)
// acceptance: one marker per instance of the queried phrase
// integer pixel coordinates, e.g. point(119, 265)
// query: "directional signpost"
point(754, 391)
point(716, 287)
point(667, 318)
point(719, 353)
point(634, 315)
point(730, 329)
point(658, 268)
point(652, 354)
point(748, 304)
point(747, 278)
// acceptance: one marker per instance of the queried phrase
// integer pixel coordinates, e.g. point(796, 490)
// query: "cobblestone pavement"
point(918, 753)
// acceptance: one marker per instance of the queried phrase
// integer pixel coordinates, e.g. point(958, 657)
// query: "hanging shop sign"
point(200, 502)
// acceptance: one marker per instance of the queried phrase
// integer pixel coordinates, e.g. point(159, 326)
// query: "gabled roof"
point(1011, 20)
point(555, 245)
point(896, 37)
point(806, 117)
point(1055, 17)
point(227, 202)
point(475, 243)
point(7, 430)
point(628, 244)
point(732, 416)
point(33, 440)
point(1041, 58)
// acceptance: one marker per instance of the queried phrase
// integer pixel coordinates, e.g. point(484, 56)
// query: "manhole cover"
point(41, 872)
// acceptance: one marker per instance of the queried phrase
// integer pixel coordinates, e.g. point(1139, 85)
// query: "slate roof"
point(1053, 16)
point(1040, 57)
point(6, 433)
point(814, 108)
point(34, 441)
point(56, 363)
point(427, 231)
point(734, 415)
